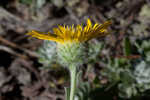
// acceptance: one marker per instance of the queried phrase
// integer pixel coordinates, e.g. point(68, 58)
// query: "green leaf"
point(79, 77)
point(47, 53)
point(28, 2)
point(127, 46)
point(67, 93)
point(82, 92)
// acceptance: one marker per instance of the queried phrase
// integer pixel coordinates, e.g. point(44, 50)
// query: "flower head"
point(73, 51)
point(71, 34)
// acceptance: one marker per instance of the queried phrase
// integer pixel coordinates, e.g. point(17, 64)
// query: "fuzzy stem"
point(73, 72)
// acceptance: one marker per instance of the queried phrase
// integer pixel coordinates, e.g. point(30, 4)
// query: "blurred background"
point(118, 67)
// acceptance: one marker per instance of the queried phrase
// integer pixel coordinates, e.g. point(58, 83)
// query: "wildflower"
point(70, 40)
point(70, 45)
point(78, 34)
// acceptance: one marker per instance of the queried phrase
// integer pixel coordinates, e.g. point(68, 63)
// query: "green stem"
point(73, 73)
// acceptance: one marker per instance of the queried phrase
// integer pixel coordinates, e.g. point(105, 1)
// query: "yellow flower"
point(66, 34)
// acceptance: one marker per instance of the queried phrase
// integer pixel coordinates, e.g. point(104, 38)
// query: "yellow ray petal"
point(42, 36)
point(89, 23)
point(77, 34)
point(104, 26)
